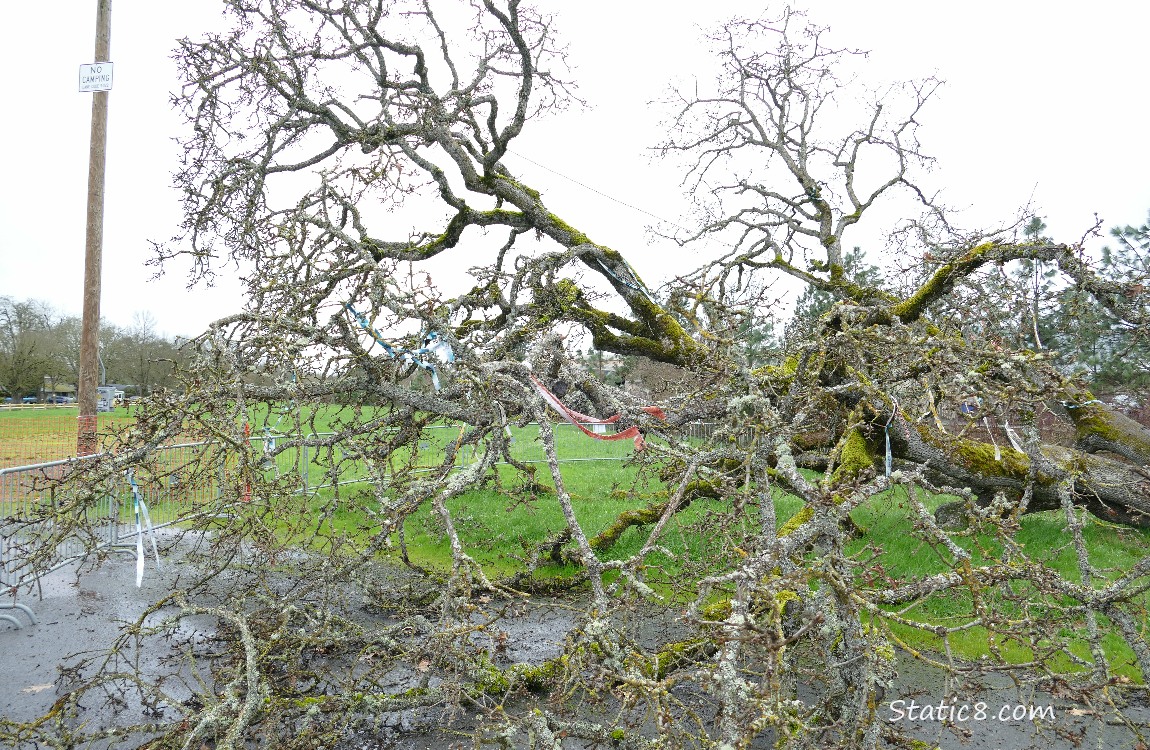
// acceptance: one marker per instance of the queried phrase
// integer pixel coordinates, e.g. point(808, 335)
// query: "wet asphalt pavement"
point(75, 616)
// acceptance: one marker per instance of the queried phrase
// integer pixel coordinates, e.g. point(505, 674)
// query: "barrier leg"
point(23, 608)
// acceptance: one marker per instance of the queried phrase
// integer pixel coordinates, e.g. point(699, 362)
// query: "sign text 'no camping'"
point(96, 77)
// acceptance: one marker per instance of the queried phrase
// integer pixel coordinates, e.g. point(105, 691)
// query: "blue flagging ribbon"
point(142, 517)
point(636, 285)
point(433, 344)
point(886, 432)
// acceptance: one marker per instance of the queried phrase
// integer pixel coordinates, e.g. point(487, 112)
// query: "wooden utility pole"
point(86, 442)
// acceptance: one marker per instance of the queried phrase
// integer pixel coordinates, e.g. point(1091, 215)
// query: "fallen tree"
point(872, 395)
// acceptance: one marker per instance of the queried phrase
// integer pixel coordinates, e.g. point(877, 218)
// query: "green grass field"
point(37, 434)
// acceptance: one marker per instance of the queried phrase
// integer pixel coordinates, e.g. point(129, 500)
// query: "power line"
point(707, 238)
point(597, 191)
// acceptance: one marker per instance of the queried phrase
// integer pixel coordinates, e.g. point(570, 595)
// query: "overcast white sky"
point(1044, 102)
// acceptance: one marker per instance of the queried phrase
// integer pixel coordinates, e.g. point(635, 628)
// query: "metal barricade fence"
point(313, 460)
point(28, 499)
point(172, 487)
point(315, 463)
point(178, 482)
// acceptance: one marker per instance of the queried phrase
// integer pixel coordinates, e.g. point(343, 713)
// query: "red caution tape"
point(578, 419)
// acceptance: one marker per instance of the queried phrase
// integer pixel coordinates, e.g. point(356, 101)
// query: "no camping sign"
point(96, 77)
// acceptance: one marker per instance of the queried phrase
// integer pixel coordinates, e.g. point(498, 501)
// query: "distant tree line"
point(40, 351)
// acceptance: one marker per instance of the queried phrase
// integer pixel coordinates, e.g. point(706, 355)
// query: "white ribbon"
point(142, 517)
point(886, 433)
point(1012, 436)
point(997, 451)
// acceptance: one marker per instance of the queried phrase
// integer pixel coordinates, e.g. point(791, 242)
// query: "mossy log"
point(1111, 489)
point(855, 456)
point(1097, 427)
point(628, 518)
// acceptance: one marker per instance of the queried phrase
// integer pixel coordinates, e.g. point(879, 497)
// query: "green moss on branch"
point(803, 515)
point(625, 520)
point(1098, 427)
point(855, 457)
point(943, 280)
